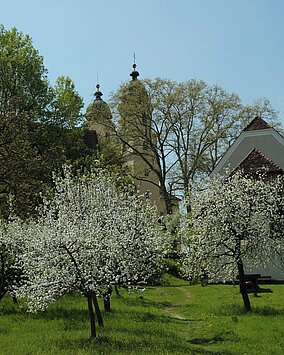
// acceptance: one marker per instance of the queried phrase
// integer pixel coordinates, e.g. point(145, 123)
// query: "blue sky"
point(237, 44)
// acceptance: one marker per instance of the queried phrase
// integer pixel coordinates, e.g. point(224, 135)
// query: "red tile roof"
point(257, 161)
point(256, 124)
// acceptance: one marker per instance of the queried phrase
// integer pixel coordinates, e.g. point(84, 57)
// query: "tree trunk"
point(92, 315)
point(243, 289)
point(107, 294)
point(2, 294)
point(3, 288)
point(116, 291)
point(107, 303)
point(167, 199)
point(187, 194)
point(3, 283)
point(97, 310)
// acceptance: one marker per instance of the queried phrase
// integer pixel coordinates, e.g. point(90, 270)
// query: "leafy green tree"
point(24, 98)
point(23, 77)
point(21, 177)
point(38, 124)
point(203, 118)
point(67, 104)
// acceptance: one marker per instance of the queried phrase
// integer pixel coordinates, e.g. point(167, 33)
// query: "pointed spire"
point(98, 94)
point(134, 73)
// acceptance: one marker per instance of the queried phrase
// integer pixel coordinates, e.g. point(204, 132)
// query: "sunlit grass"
point(171, 319)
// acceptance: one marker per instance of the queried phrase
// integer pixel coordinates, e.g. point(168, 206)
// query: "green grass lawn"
point(173, 319)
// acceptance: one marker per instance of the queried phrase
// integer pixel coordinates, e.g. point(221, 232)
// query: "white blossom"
point(239, 220)
point(90, 235)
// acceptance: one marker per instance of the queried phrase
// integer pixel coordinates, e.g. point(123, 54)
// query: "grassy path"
point(174, 319)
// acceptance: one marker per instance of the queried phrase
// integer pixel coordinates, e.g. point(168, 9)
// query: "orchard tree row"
point(94, 234)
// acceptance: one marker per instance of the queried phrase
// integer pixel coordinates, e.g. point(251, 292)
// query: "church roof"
point(258, 145)
point(256, 161)
point(256, 124)
point(98, 110)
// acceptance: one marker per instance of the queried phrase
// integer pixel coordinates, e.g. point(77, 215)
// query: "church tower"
point(138, 139)
point(99, 125)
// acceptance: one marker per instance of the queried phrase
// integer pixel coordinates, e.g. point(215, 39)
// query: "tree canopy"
point(90, 236)
point(23, 81)
point(39, 125)
point(236, 224)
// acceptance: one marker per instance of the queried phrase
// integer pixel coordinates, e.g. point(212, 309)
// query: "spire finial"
point(98, 93)
point(134, 73)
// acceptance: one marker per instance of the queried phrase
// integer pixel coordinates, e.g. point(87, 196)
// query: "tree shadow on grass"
point(10, 311)
point(239, 310)
point(264, 290)
point(145, 302)
point(216, 339)
point(143, 332)
point(268, 311)
point(138, 342)
point(62, 313)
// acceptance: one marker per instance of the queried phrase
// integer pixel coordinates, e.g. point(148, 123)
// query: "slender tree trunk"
point(243, 289)
point(97, 310)
point(3, 288)
point(116, 291)
point(92, 316)
point(107, 303)
point(107, 295)
point(187, 195)
point(2, 294)
point(167, 199)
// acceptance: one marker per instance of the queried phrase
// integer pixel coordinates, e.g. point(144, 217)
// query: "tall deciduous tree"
point(235, 225)
point(67, 104)
point(23, 77)
point(180, 130)
point(90, 236)
point(21, 166)
point(38, 130)
point(202, 118)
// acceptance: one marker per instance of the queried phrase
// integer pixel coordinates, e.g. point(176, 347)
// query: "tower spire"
point(98, 94)
point(134, 73)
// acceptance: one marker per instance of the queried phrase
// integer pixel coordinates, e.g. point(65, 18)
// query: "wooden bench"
point(265, 278)
point(251, 281)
